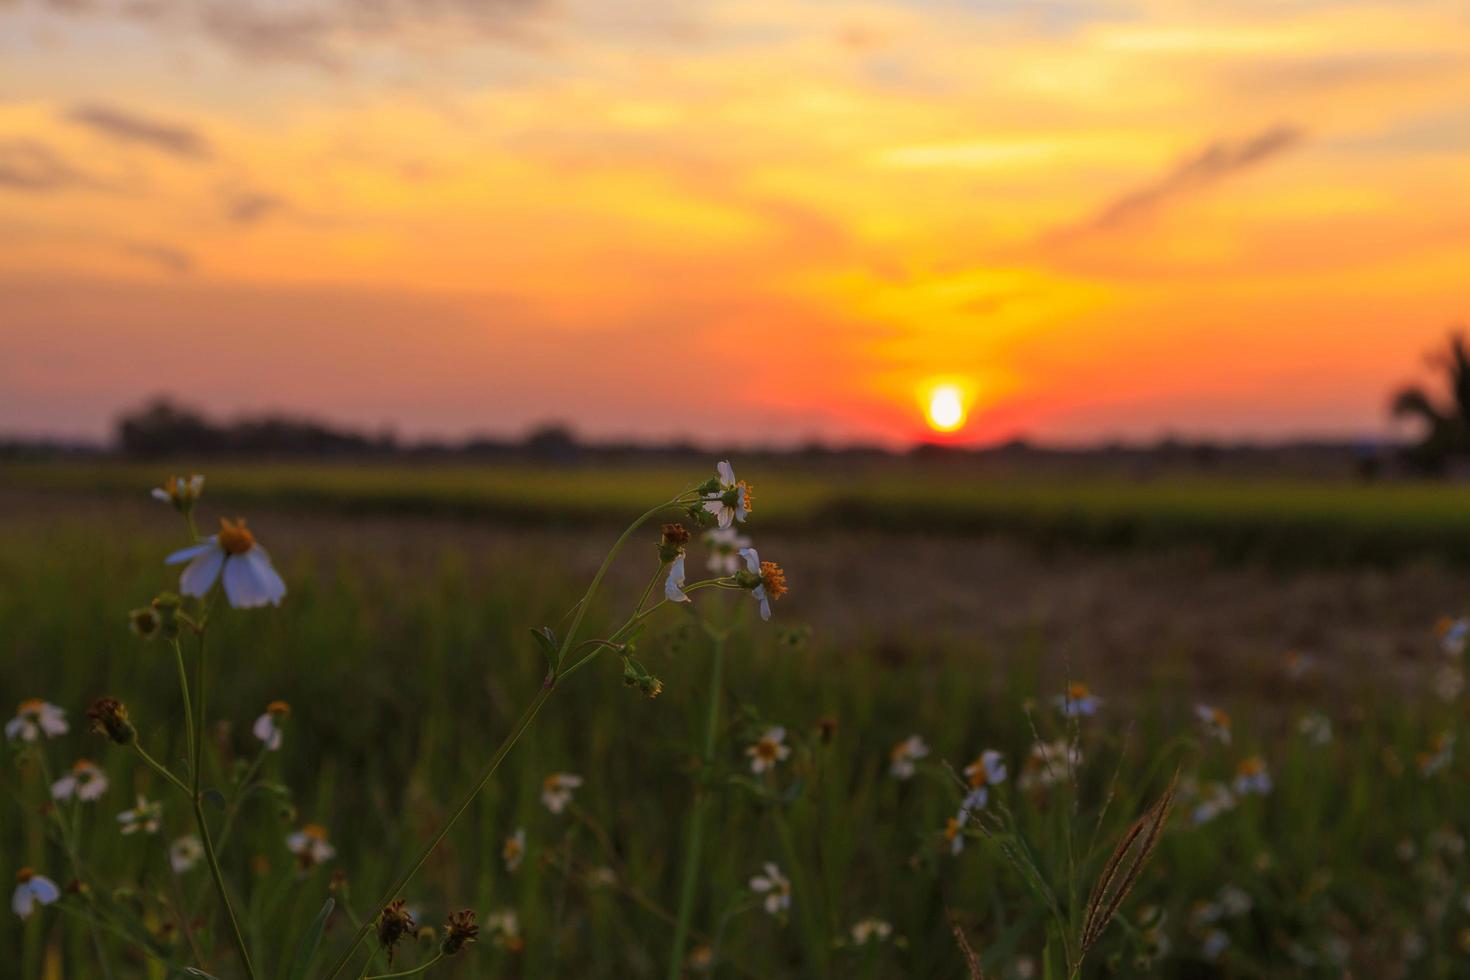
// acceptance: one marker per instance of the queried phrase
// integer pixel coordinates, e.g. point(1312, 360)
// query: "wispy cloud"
point(165, 257)
point(126, 126)
point(246, 207)
point(1214, 163)
point(26, 165)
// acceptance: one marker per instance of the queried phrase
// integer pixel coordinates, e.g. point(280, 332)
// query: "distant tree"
point(1446, 420)
point(162, 428)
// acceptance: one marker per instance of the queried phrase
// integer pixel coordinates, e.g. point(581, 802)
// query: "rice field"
point(1324, 838)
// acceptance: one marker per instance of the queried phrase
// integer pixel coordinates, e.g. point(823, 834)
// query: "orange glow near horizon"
point(594, 213)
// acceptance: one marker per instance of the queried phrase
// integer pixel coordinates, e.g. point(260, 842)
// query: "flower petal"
point(193, 551)
point(198, 578)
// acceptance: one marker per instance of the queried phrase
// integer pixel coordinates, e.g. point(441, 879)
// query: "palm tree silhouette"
point(1446, 422)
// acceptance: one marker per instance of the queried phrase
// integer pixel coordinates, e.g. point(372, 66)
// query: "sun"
point(946, 410)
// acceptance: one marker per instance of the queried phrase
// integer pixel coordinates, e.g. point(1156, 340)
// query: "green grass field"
point(1291, 522)
point(403, 649)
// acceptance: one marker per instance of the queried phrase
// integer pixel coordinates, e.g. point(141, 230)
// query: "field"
point(925, 600)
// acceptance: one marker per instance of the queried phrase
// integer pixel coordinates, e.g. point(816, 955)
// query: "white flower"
point(903, 756)
point(1454, 635)
point(1215, 800)
point(514, 849)
point(985, 771)
point(1215, 722)
point(769, 579)
point(954, 831)
point(1234, 901)
point(1315, 728)
point(310, 845)
point(1048, 763)
point(181, 493)
point(775, 887)
point(1077, 701)
point(556, 790)
point(31, 890)
point(250, 580)
point(184, 853)
point(674, 585)
point(867, 930)
point(504, 927)
point(725, 544)
point(34, 718)
point(85, 781)
point(1251, 776)
point(270, 727)
point(146, 816)
point(731, 502)
point(770, 749)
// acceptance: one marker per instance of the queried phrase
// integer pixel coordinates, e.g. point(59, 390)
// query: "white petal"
point(158, 493)
point(674, 585)
point(200, 574)
point(726, 472)
point(752, 560)
point(44, 889)
point(63, 788)
point(274, 585)
point(17, 728)
point(22, 902)
point(93, 788)
point(193, 551)
point(264, 728)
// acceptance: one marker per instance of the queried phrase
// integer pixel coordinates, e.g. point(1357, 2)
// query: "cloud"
point(165, 257)
point(248, 207)
point(1217, 161)
point(26, 165)
point(124, 126)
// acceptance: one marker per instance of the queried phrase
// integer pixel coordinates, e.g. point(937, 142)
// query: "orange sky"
point(734, 220)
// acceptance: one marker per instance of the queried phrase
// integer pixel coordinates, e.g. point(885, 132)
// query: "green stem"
point(408, 973)
point(694, 842)
point(510, 740)
point(184, 689)
point(804, 899)
point(161, 769)
point(198, 801)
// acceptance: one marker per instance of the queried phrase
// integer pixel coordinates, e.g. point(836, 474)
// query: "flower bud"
point(394, 923)
point(145, 622)
point(671, 542)
point(110, 717)
point(166, 606)
point(459, 931)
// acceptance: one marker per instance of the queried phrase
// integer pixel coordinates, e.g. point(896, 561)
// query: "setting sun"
point(946, 408)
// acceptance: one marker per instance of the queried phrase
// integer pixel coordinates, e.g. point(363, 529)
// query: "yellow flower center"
point(30, 708)
point(84, 766)
point(774, 579)
point(978, 774)
point(747, 495)
point(24, 875)
point(767, 750)
point(1251, 766)
point(1220, 718)
point(234, 538)
point(1076, 692)
point(279, 709)
point(315, 831)
point(951, 829)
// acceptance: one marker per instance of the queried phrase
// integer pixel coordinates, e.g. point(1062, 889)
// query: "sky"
point(737, 221)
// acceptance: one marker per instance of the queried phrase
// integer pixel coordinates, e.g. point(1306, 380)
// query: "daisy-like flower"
point(1215, 722)
point(987, 770)
point(1078, 702)
point(1441, 750)
point(1454, 635)
point(1251, 776)
point(775, 886)
point(250, 579)
point(34, 718)
point(182, 493)
point(86, 782)
point(904, 756)
point(954, 831)
point(865, 931)
point(145, 817)
point(31, 890)
point(310, 846)
point(504, 927)
point(513, 851)
point(765, 579)
point(184, 853)
point(768, 750)
point(730, 501)
point(1048, 763)
point(270, 727)
point(557, 789)
point(1215, 799)
point(1315, 728)
point(724, 545)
